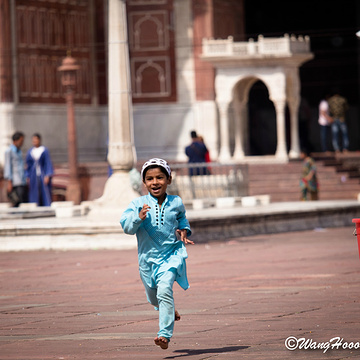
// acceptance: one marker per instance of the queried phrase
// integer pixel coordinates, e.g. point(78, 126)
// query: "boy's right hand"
point(144, 211)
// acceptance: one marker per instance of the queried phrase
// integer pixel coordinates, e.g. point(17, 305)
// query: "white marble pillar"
point(293, 97)
point(121, 147)
point(224, 155)
point(118, 191)
point(6, 128)
point(295, 143)
point(8, 80)
point(240, 118)
point(281, 152)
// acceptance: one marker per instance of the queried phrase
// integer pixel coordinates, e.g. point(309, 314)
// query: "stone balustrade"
point(282, 46)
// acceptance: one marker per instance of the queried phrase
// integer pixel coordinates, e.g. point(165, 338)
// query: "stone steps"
point(338, 179)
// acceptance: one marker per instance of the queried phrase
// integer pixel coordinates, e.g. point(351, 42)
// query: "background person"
point(338, 107)
point(39, 172)
point(14, 171)
point(196, 152)
point(325, 121)
point(207, 154)
point(308, 183)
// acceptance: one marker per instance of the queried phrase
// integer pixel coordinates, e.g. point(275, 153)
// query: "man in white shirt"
point(325, 121)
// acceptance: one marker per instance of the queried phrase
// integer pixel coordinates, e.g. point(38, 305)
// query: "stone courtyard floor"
point(247, 296)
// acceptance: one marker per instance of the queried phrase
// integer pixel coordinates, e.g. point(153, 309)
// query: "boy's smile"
point(156, 183)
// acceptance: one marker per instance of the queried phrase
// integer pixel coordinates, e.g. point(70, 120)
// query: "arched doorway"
point(261, 121)
point(256, 118)
point(254, 131)
point(274, 61)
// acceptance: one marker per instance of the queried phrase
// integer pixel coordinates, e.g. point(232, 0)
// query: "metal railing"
point(209, 180)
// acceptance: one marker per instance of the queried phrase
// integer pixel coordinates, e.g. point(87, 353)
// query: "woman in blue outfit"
point(39, 170)
point(156, 219)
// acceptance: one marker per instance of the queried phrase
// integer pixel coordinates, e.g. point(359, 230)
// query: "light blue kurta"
point(159, 249)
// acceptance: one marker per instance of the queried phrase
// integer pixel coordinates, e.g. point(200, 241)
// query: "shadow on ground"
point(188, 352)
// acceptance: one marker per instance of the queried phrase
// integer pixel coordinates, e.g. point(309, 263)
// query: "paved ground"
point(246, 297)
point(27, 229)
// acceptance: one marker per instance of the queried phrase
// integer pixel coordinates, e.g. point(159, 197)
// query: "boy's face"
point(156, 182)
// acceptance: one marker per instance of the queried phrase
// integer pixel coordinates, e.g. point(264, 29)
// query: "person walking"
point(39, 171)
point(157, 219)
point(14, 171)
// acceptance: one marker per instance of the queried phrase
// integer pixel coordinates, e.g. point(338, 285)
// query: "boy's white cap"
point(156, 161)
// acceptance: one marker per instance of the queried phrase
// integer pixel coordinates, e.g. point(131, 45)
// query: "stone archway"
point(232, 87)
point(262, 137)
point(253, 119)
point(275, 62)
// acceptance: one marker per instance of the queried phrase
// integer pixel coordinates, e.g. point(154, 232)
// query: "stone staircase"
point(339, 178)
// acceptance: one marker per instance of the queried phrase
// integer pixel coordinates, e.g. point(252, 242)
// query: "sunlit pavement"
point(29, 230)
point(247, 296)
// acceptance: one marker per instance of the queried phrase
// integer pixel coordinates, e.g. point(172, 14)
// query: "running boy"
point(155, 219)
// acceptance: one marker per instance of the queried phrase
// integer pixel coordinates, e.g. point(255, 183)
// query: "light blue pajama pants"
point(162, 298)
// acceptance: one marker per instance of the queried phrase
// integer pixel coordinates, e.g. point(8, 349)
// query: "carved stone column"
point(224, 155)
point(240, 119)
point(293, 96)
point(121, 149)
point(118, 191)
point(295, 143)
point(281, 152)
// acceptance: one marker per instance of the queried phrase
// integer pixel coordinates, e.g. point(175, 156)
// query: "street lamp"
point(68, 71)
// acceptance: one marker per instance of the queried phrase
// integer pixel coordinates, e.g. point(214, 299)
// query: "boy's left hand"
point(183, 236)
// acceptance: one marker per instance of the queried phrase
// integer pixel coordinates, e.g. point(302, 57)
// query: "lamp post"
point(68, 71)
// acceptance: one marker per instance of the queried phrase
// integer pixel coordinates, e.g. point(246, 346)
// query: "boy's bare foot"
point(162, 342)
point(177, 316)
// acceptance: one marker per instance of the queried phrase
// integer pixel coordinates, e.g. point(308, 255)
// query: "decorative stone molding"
point(284, 46)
